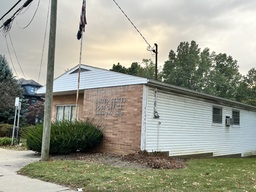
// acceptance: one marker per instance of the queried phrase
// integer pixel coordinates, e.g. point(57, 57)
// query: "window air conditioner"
point(229, 121)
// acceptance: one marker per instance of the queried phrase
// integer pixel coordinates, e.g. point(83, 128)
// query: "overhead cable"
point(149, 46)
point(32, 16)
point(16, 56)
point(45, 32)
point(11, 57)
point(10, 9)
point(7, 24)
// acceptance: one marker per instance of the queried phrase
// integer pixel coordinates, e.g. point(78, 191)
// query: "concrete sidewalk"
point(10, 162)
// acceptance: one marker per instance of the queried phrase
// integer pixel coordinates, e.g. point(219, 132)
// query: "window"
point(65, 112)
point(236, 117)
point(31, 90)
point(217, 115)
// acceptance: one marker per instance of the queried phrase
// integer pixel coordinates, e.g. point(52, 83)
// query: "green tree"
point(119, 68)
point(225, 77)
point(247, 89)
point(215, 74)
point(145, 69)
point(188, 67)
point(134, 69)
point(9, 89)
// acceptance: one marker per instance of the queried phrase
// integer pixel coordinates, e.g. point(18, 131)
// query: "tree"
point(119, 68)
point(188, 67)
point(224, 77)
point(215, 74)
point(148, 70)
point(9, 89)
point(35, 113)
point(247, 88)
point(136, 69)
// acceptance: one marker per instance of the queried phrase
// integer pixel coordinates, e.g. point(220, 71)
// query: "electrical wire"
point(149, 46)
point(8, 23)
point(11, 57)
point(45, 32)
point(27, 8)
point(10, 9)
point(16, 56)
point(32, 16)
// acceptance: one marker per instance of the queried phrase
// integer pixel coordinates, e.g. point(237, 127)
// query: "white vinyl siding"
point(186, 127)
point(92, 78)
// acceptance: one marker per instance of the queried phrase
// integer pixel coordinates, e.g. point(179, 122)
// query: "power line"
point(8, 23)
point(10, 57)
point(149, 46)
point(27, 8)
point(45, 32)
point(32, 16)
point(10, 9)
point(16, 56)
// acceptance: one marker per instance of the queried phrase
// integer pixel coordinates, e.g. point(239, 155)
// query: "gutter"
point(195, 94)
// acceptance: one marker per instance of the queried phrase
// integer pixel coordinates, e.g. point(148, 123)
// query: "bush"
point(66, 137)
point(5, 141)
point(6, 130)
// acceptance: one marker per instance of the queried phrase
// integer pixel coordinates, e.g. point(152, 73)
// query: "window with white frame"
point(217, 115)
point(65, 112)
point(236, 117)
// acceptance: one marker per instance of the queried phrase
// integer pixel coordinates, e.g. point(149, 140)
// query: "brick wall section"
point(120, 110)
point(67, 100)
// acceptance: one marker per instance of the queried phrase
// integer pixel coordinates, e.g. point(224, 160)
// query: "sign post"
point(17, 103)
point(18, 123)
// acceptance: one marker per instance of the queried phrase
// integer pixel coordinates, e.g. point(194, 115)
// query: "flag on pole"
point(83, 21)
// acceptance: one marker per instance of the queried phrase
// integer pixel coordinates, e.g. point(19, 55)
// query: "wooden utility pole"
point(49, 84)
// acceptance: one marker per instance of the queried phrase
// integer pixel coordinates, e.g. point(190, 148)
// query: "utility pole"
point(156, 61)
point(49, 84)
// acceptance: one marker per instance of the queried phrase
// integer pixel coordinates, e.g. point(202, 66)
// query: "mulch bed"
point(155, 161)
point(134, 160)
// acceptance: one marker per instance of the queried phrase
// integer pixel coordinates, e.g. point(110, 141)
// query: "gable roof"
point(24, 82)
point(91, 77)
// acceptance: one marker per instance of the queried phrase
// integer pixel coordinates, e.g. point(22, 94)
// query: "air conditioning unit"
point(229, 121)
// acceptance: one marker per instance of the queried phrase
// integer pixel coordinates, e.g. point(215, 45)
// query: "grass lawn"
point(216, 174)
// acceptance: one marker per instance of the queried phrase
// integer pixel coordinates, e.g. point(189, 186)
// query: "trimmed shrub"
point(5, 141)
point(66, 136)
point(33, 136)
point(6, 130)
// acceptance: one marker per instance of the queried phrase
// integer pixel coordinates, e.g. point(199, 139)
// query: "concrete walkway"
point(12, 161)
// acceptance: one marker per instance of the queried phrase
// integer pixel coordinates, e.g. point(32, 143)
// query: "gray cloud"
point(223, 26)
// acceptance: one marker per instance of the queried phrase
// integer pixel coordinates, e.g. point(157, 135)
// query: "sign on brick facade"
point(110, 106)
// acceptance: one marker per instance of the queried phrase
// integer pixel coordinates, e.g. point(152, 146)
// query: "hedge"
point(66, 137)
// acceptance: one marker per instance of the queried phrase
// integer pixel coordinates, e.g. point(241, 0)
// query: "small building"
point(144, 114)
point(29, 90)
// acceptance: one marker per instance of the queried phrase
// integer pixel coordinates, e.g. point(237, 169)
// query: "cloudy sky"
point(224, 26)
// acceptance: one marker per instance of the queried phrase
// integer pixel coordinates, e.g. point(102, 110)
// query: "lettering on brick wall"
point(110, 106)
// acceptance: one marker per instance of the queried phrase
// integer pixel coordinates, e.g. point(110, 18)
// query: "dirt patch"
point(135, 160)
point(155, 161)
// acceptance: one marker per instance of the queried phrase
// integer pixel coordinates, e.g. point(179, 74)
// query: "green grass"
point(17, 147)
point(219, 174)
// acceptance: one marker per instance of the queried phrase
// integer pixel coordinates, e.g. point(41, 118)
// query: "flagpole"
point(80, 37)
point(78, 79)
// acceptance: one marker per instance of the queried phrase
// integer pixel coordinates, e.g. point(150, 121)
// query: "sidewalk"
point(11, 162)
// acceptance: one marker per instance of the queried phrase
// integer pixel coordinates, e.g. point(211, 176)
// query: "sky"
point(222, 26)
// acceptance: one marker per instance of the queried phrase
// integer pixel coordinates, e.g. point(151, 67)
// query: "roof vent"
point(81, 70)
